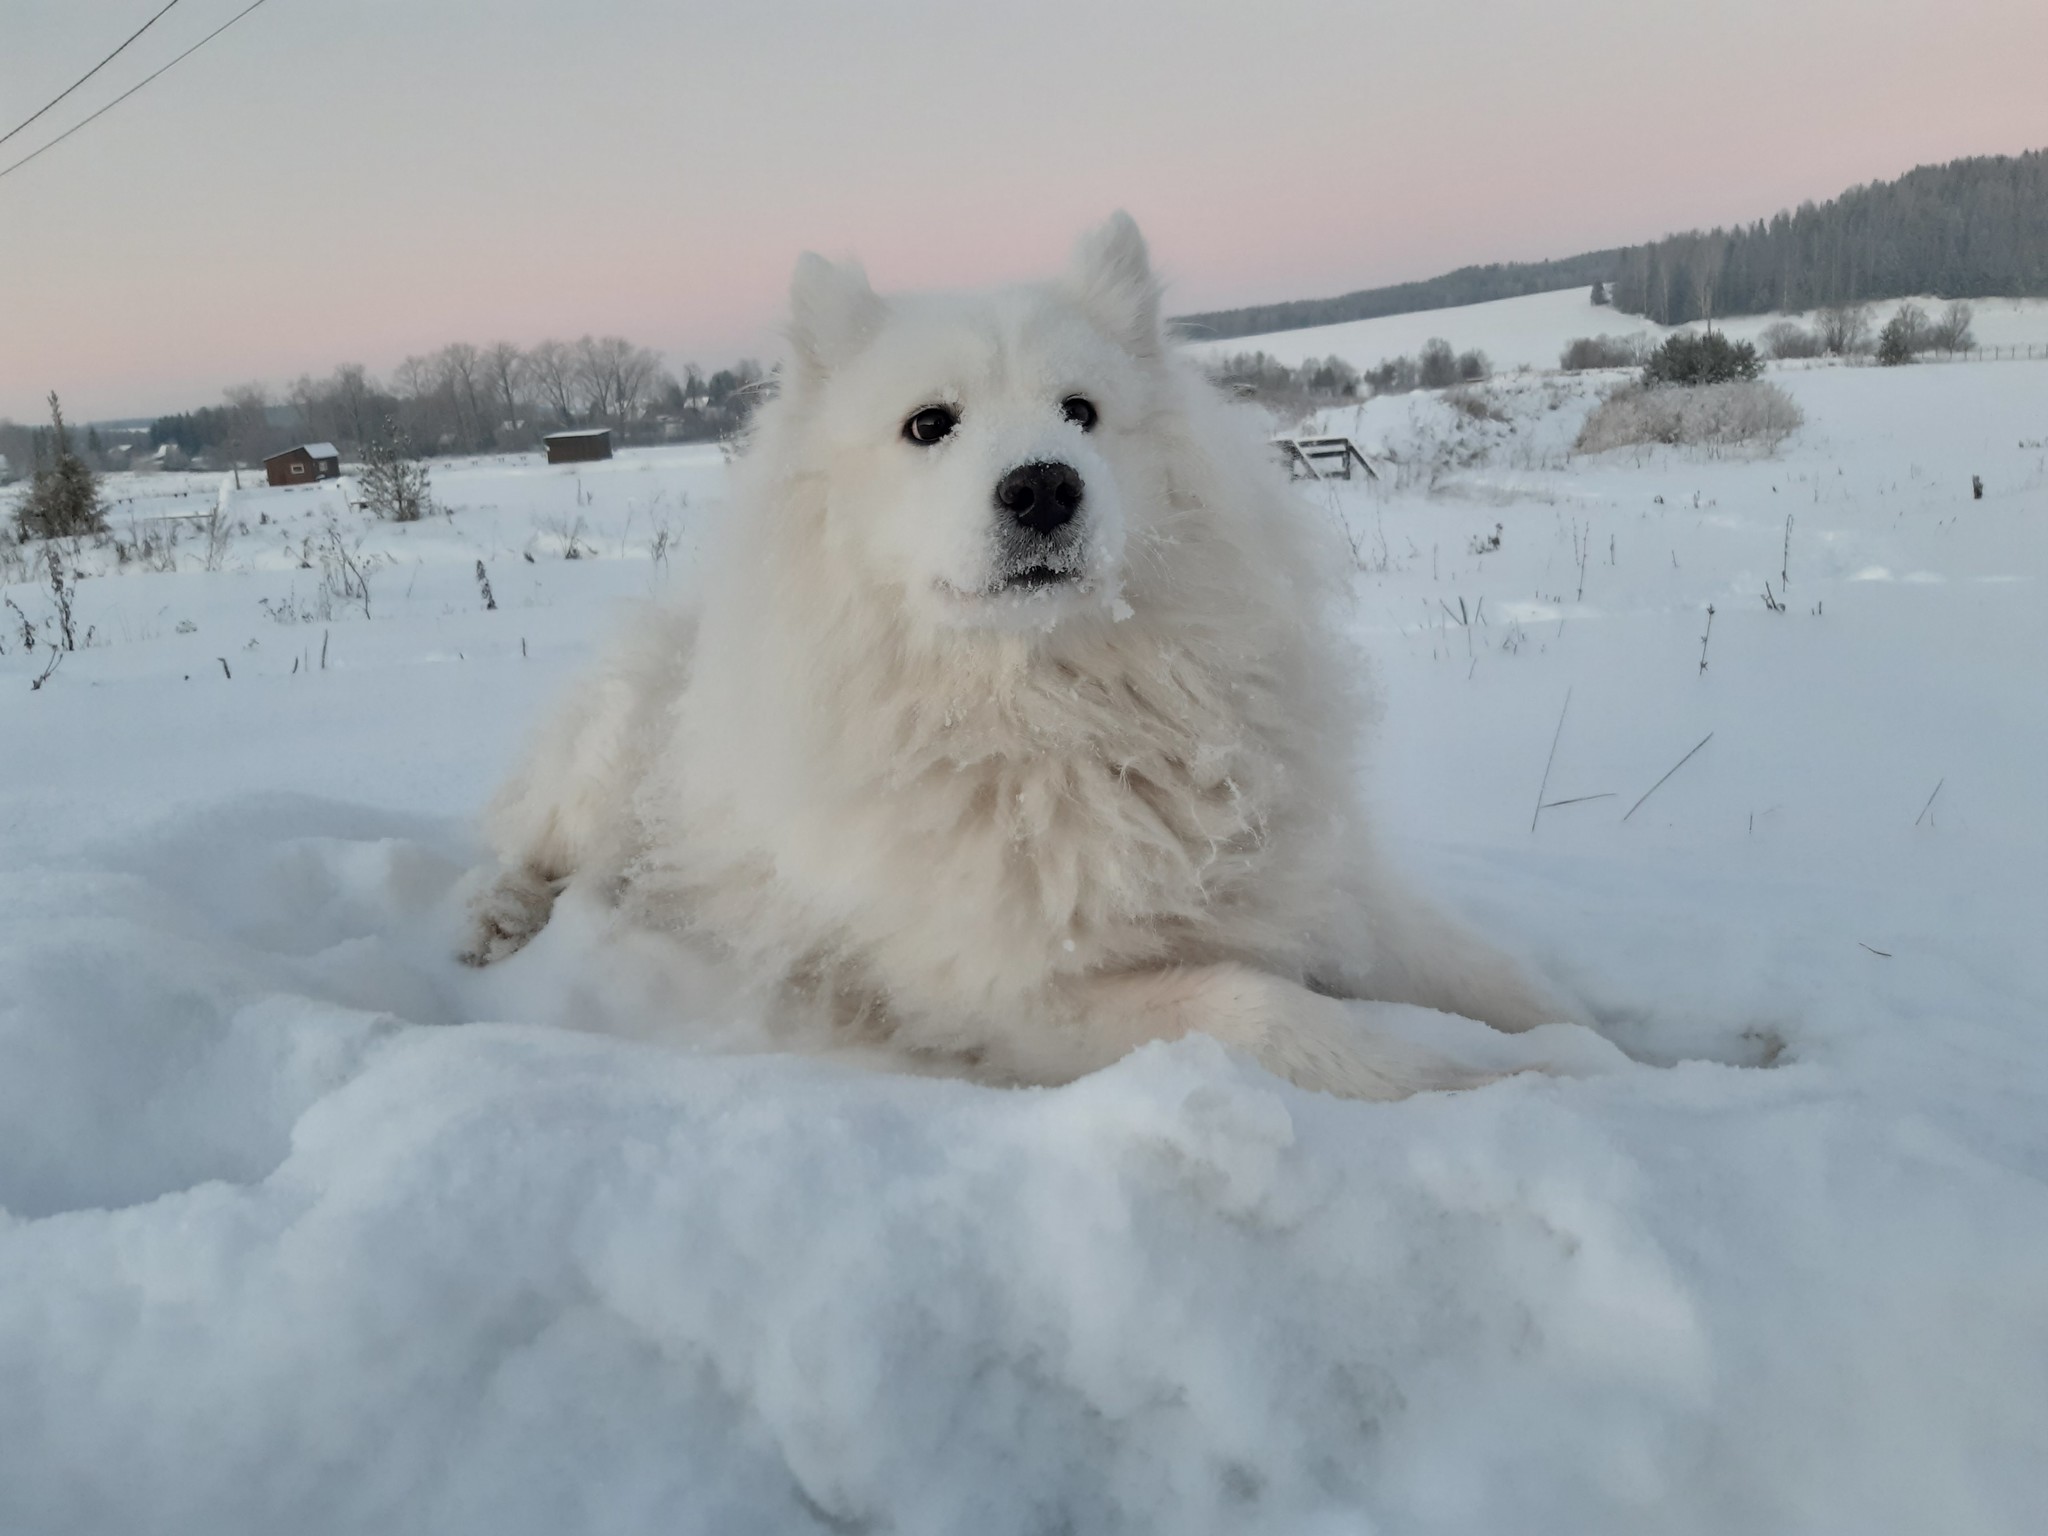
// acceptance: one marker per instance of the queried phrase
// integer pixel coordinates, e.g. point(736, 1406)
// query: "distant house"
point(308, 461)
point(580, 446)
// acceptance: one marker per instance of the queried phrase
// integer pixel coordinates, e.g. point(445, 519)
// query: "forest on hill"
point(1970, 229)
point(1974, 228)
point(1467, 285)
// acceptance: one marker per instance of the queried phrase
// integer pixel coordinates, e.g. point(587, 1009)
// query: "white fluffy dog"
point(1010, 732)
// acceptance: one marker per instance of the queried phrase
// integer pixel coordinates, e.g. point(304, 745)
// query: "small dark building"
point(580, 446)
point(308, 461)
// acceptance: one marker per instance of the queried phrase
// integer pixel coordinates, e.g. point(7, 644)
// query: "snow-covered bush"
point(1603, 351)
point(1788, 338)
point(1911, 331)
point(345, 569)
point(1902, 335)
point(1438, 366)
point(1739, 413)
point(1283, 390)
point(13, 563)
point(1437, 363)
point(1475, 403)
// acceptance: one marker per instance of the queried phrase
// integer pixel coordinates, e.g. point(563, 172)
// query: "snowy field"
point(1531, 332)
point(280, 1250)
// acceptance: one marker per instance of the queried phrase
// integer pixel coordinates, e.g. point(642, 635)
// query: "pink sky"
point(328, 184)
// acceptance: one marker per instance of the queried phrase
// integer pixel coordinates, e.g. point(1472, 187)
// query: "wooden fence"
point(2019, 352)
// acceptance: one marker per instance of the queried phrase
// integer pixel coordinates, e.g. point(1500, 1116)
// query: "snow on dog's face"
point(985, 453)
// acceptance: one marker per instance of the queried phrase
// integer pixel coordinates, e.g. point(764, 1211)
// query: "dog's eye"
point(930, 425)
point(1080, 410)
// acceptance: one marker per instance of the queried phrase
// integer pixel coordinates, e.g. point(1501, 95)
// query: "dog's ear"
point(1113, 271)
point(832, 312)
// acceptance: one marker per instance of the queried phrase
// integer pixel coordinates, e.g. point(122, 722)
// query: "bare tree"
point(615, 379)
point(353, 397)
point(504, 373)
point(636, 377)
point(1951, 333)
point(695, 395)
point(311, 403)
point(1703, 265)
point(414, 378)
point(1844, 329)
point(461, 375)
point(593, 380)
point(551, 369)
point(432, 410)
point(249, 435)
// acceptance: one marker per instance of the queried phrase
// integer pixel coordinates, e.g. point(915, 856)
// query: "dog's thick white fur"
point(1007, 798)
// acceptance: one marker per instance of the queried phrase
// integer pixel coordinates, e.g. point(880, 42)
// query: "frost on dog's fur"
point(1007, 795)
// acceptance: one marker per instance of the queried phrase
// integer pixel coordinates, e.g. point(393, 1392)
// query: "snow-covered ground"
point(282, 1250)
point(1531, 332)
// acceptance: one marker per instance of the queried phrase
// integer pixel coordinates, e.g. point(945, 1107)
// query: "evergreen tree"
point(394, 480)
point(63, 499)
point(1895, 341)
point(1704, 358)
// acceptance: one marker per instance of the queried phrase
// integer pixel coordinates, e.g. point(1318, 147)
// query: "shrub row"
point(1733, 413)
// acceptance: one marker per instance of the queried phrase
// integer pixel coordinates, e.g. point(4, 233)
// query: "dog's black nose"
point(1040, 497)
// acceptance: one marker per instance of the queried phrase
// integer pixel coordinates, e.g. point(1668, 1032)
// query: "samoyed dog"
point(1011, 730)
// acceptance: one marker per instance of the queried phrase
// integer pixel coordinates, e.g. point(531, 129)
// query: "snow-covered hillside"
point(1531, 332)
point(305, 1227)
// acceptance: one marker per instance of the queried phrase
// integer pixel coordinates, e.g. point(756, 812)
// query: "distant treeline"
point(1969, 229)
point(1467, 285)
point(27, 447)
point(468, 399)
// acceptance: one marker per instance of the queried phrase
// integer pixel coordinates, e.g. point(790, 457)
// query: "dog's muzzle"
point(1038, 526)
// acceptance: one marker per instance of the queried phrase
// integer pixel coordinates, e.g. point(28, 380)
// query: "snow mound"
point(290, 1250)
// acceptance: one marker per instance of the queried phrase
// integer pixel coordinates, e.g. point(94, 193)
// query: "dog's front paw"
point(509, 912)
point(1345, 1058)
point(1319, 1043)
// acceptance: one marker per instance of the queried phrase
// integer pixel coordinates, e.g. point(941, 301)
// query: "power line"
point(74, 85)
point(216, 32)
